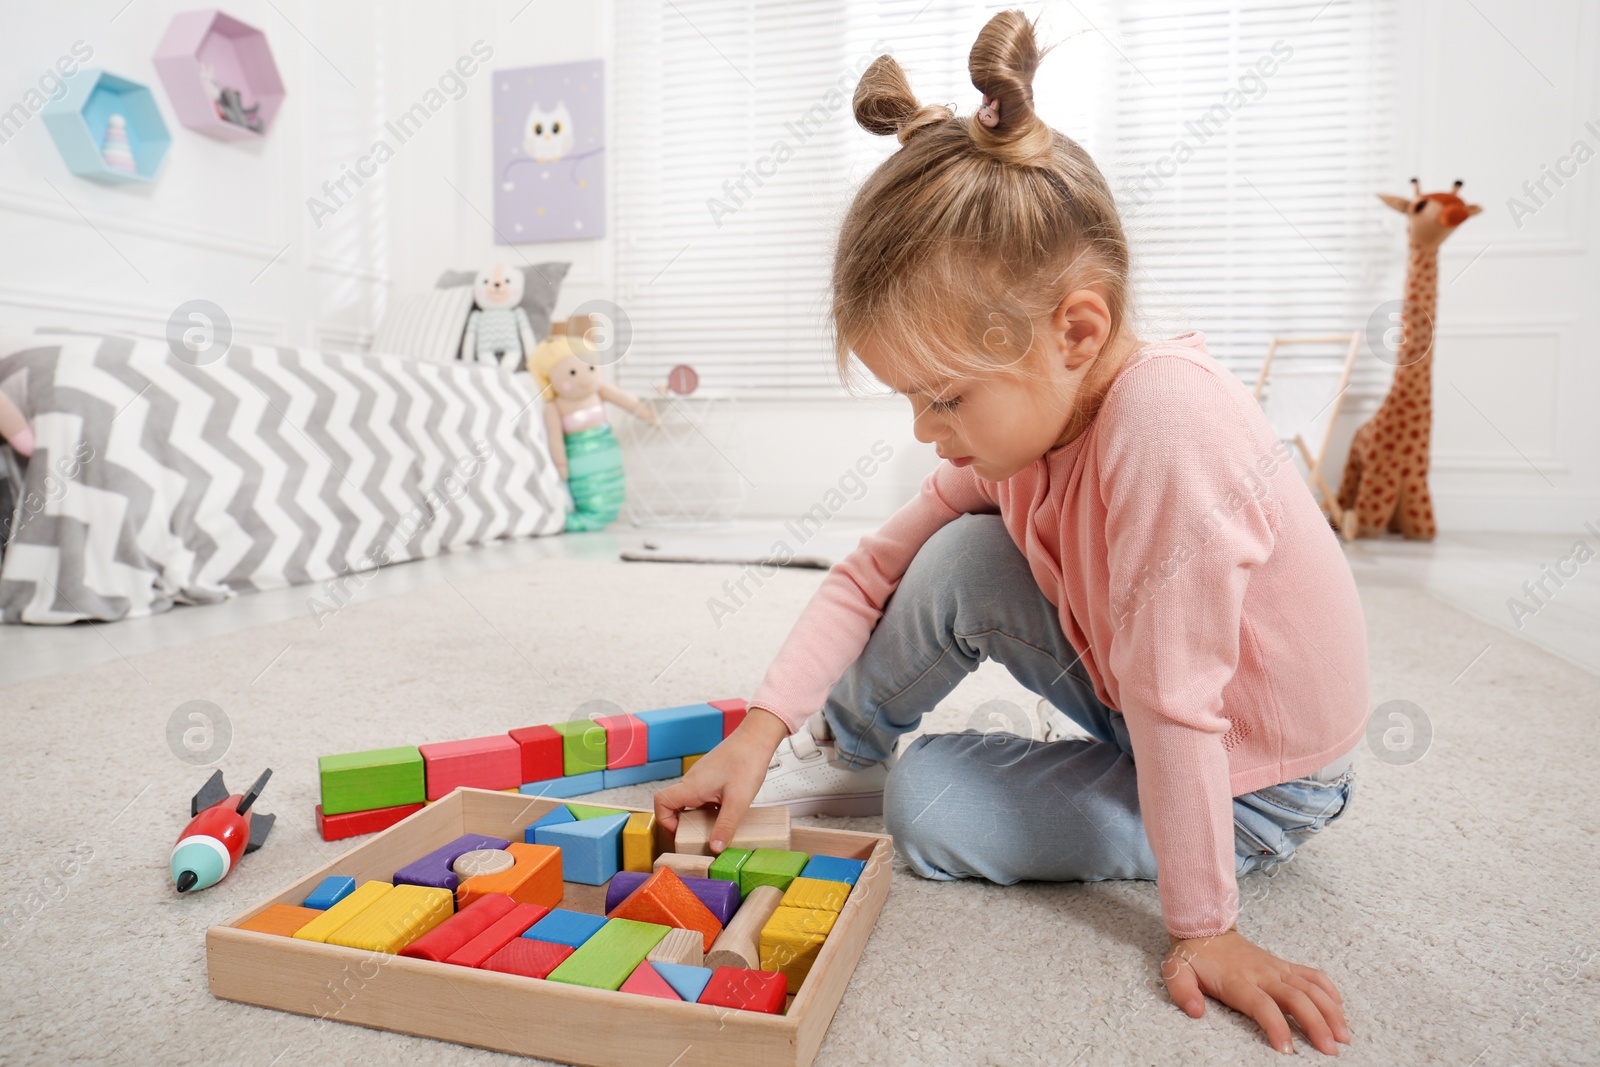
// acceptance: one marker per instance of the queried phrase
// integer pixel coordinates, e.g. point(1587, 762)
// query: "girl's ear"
point(1080, 327)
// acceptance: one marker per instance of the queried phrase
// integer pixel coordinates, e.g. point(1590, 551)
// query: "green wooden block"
point(380, 778)
point(606, 959)
point(583, 746)
point(727, 865)
point(771, 866)
point(589, 811)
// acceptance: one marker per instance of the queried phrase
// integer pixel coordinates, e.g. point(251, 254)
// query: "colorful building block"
point(355, 823)
point(736, 987)
point(663, 899)
point(451, 935)
point(690, 761)
point(639, 842)
point(654, 771)
point(682, 731)
point(760, 828)
point(396, 919)
point(728, 864)
point(478, 762)
point(554, 817)
point(771, 866)
point(733, 713)
point(434, 870)
point(508, 927)
point(566, 927)
point(527, 957)
point(541, 752)
point(366, 893)
point(379, 778)
point(593, 811)
point(280, 919)
point(720, 898)
point(646, 982)
point(560, 788)
point(591, 849)
point(834, 869)
point(627, 740)
point(791, 940)
point(740, 943)
point(330, 891)
point(814, 894)
point(606, 959)
point(686, 980)
point(679, 946)
point(583, 746)
point(534, 878)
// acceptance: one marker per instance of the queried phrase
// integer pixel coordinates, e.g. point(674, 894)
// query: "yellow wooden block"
point(815, 894)
point(398, 918)
point(690, 761)
point(791, 940)
point(639, 842)
point(366, 894)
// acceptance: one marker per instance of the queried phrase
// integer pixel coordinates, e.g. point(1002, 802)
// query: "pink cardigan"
point(1207, 594)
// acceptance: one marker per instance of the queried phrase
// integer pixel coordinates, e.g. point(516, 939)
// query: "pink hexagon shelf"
point(219, 75)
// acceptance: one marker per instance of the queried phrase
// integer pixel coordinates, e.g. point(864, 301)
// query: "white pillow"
point(426, 326)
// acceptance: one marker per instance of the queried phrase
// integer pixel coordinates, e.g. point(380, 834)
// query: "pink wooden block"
point(480, 762)
point(733, 713)
point(647, 981)
point(627, 740)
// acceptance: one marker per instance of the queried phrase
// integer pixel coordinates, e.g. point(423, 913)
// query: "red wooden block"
point(353, 823)
point(663, 899)
point(513, 923)
point(647, 981)
point(480, 762)
point(735, 987)
point(463, 926)
point(627, 740)
point(528, 957)
point(733, 713)
point(541, 753)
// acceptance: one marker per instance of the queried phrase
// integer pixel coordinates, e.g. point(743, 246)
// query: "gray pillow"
point(541, 285)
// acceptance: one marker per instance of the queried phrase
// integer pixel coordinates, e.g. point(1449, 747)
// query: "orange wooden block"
point(664, 899)
point(535, 879)
point(282, 919)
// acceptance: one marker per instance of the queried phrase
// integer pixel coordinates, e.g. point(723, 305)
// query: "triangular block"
point(647, 981)
point(688, 982)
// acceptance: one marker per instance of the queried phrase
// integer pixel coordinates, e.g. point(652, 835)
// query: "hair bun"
point(1002, 64)
point(885, 104)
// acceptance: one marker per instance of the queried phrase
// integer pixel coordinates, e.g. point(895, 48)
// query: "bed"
point(157, 482)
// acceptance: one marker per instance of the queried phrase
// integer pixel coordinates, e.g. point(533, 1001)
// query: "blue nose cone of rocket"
point(198, 862)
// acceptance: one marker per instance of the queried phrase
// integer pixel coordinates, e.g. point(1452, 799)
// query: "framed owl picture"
point(550, 153)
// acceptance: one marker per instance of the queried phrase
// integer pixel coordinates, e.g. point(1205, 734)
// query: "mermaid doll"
point(586, 453)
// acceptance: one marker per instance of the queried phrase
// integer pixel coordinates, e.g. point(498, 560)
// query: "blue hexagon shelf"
point(78, 123)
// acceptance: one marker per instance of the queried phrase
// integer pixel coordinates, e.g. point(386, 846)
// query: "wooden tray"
point(528, 1016)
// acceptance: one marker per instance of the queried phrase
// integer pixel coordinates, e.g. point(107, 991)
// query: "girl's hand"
point(729, 776)
point(1252, 980)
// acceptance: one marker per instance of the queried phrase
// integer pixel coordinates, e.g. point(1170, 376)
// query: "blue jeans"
point(988, 803)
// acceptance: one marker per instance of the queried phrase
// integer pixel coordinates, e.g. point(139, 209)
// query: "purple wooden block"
point(433, 870)
point(717, 894)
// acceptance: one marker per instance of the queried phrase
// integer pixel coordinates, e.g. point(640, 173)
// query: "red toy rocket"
point(221, 830)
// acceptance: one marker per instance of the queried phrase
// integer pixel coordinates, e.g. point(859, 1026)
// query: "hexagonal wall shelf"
point(79, 120)
point(219, 75)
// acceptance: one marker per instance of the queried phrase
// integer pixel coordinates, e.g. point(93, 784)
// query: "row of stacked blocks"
point(363, 792)
point(738, 930)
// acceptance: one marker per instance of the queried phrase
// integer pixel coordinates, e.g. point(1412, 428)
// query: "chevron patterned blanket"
point(157, 482)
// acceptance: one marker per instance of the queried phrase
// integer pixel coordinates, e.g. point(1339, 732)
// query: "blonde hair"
point(553, 350)
point(956, 245)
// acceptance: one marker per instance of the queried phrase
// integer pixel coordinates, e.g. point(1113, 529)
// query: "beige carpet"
point(1456, 905)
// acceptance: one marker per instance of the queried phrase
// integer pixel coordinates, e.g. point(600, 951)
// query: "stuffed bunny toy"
point(498, 330)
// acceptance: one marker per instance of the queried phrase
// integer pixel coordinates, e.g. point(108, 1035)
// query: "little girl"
point(1115, 522)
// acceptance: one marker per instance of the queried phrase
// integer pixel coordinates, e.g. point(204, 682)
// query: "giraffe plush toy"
point(1386, 475)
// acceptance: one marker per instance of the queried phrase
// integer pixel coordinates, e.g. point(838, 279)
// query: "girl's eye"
point(945, 405)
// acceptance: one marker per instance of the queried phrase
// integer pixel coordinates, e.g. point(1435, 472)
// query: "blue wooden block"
point(333, 889)
point(565, 927)
point(834, 869)
point(434, 869)
point(553, 817)
point(684, 731)
point(687, 981)
point(644, 772)
point(573, 785)
point(591, 849)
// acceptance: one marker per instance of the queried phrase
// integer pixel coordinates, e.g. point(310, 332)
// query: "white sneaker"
point(1052, 725)
point(806, 777)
